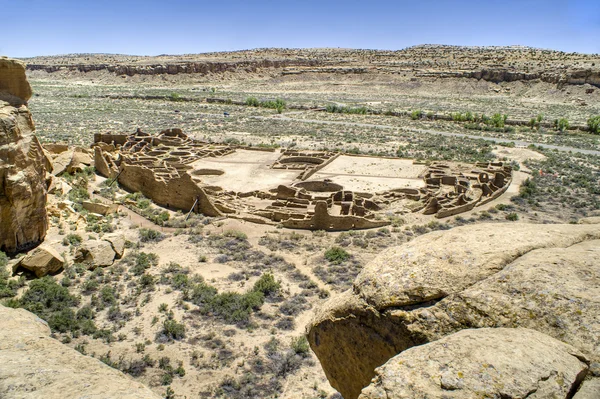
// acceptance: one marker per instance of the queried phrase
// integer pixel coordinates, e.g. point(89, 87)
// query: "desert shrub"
point(266, 284)
point(8, 287)
point(594, 124)
point(286, 323)
point(300, 346)
point(141, 261)
point(513, 217)
point(252, 101)
point(561, 124)
point(172, 330)
point(150, 235)
point(294, 305)
point(528, 189)
point(336, 255)
point(414, 115)
point(498, 120)
point(339, 109)
point(53, 303)
point(72, 239)
point(175, 97)
point(232, 307)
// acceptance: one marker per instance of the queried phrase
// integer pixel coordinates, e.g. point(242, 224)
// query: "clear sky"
point(48, 27)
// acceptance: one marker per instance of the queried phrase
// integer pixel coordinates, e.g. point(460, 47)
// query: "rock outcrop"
point(482, 363)
point(96, 253)
point(41, 261)
point(23, 165)
point(542, 277)
point(33, 365)
point(13, 80)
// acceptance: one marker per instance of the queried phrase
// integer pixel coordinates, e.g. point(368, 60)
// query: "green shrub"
point(336, 255)
point(72, 239)
point(150, 235)
point(232, 307)
point(143, 261)
point(414, 115)
point(173, 330)
point(253, 102)
point(266, 284)
point(594, 124)
point(338, 109)
point(300, 346)
point(513, 216)
point(561, 124)
point(53, 303)
point(528, 189)
point(8, 288)
point(175, 97)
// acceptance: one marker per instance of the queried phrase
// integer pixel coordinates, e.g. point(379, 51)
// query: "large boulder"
point(41, 261)
point(99, 208)
point(95, 253)
point(33, 365)
point(482, 363)
point(117, 241)
point(13, 81)
point(23, 166)
point(543, 277)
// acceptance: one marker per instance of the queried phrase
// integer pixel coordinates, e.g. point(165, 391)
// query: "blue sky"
point(43, 27)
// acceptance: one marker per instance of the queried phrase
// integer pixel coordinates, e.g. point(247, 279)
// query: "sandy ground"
point(372, 174)
point(246, 170)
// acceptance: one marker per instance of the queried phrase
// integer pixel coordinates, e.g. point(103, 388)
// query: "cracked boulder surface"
point(482, 363)
point(542, 277)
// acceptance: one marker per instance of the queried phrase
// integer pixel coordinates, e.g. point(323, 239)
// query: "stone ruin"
point(164, 168)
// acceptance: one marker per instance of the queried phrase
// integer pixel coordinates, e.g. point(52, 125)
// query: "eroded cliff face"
point(541, 277)
point(23, 165)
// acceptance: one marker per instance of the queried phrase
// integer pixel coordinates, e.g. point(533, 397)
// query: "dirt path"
point(434, 132)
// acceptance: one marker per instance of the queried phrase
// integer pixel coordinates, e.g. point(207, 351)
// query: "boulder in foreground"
point(33, 365)
point(482, 363)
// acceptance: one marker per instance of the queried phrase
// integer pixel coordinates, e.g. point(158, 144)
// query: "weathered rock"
point(42, 261)
point(33, 365)
point(23, 219)
point(482, 363)
point(99, 208)
point(589, 390)
point(61, 162)
point(95, 253)
point(13, 80)
point(117, 241)
point(79, 161)
point(56, 148)
point(543, 277)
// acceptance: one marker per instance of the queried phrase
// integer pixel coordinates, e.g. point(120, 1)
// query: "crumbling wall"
point(179, 192)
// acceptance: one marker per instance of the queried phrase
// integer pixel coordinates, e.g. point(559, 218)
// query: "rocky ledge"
point(540, 277)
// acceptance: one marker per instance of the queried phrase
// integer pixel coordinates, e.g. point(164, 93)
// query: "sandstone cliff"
point(23, 165)
point(33, 365)
point(541, 277)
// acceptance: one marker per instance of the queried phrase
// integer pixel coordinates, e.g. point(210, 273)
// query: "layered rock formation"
point(23, 165)
point(542, 277)
point(33, 365)
point(13, 81)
